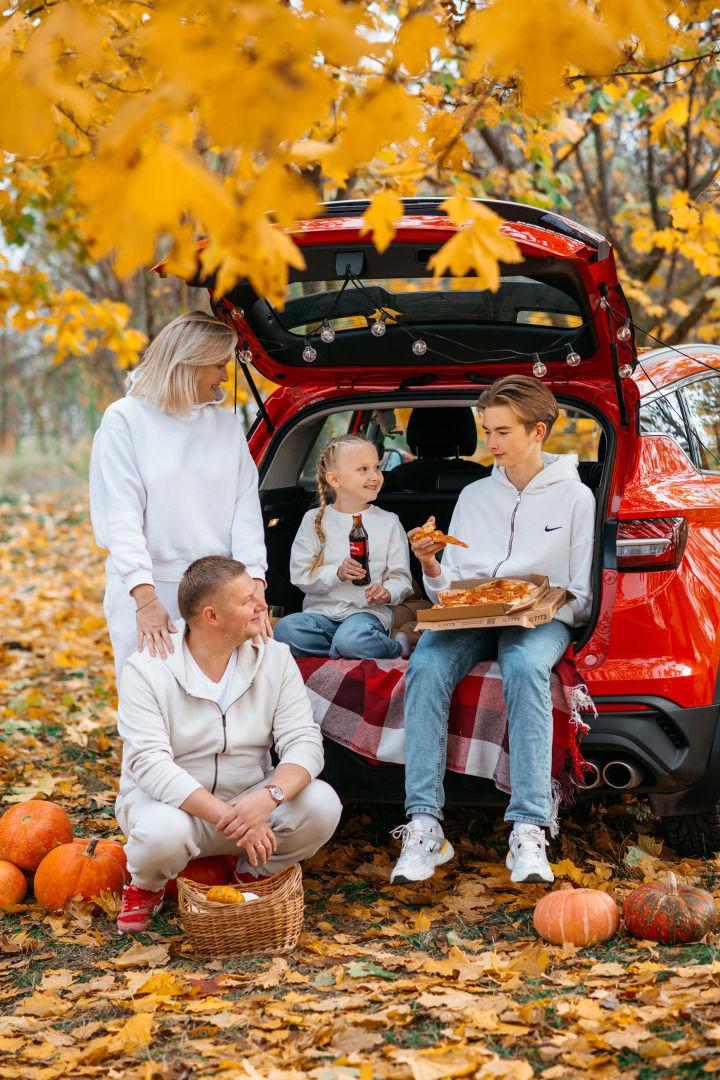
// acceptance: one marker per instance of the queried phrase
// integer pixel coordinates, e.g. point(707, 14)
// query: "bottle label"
point(357, 547)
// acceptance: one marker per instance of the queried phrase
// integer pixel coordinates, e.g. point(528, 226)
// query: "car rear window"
point(663, 416)
point(518, 301)
point(702, 399)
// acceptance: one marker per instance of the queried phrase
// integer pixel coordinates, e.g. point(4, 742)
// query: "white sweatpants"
point(119, 608)
point(161, 839)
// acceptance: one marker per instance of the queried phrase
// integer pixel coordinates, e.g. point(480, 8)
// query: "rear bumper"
point(677, 749)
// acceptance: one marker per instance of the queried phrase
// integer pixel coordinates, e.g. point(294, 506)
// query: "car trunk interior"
point(427, 485)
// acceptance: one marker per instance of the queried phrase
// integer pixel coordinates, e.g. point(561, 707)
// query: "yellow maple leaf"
point(477, 246)
point(380, 218)
point(535, 43)
point(416, 38)
point(644, 20)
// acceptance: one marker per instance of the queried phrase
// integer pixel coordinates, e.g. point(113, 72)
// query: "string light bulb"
point(539, 369)
point(573, 359)
point(625, 371)
point(378, 328)
point(246, 356)
point(237, 313)
point(624, 333)
point(327, 334)
point(309, 354)
point(419, 347)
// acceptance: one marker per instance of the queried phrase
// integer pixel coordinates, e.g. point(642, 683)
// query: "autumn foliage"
point(135, 129)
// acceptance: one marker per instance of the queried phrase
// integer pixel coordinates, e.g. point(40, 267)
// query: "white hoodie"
point(165, 491)
point(547, 528)
point(176, 741)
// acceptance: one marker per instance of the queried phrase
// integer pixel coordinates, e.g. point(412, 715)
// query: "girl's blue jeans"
point(359, 637)
point(440, 660)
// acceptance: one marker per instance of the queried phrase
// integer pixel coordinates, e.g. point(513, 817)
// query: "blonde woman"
point(171, 480)
point(340, 619)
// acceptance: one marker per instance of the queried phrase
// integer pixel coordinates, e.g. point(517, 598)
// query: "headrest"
point(442, 431)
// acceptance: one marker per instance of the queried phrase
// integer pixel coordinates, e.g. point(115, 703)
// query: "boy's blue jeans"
point(440, 660)
point(359, 637)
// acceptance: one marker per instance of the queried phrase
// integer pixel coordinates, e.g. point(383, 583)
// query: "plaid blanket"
point(359, 704)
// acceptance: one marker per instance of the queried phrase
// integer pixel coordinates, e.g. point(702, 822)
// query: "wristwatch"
point(276, 792)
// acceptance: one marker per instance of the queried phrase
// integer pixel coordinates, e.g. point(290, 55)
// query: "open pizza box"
point(540, 608)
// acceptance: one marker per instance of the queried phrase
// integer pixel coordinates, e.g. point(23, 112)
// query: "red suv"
point(371, 342)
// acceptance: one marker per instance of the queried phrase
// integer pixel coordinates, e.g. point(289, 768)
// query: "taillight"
point(651, 544)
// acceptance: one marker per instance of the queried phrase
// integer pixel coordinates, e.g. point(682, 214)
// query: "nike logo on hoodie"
point(553, 529)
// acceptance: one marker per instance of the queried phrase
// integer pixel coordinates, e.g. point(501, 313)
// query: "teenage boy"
point(531, 515)
point(197, 730)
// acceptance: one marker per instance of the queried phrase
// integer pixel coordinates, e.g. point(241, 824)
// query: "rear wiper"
point(418, 380)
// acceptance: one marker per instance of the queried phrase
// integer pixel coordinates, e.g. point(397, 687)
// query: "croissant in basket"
point(437, 536)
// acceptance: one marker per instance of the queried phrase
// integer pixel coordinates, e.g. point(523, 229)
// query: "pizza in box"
point(509, 591)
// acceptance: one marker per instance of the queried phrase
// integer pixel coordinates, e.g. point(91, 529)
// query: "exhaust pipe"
point(622, 775)
point(592, 777)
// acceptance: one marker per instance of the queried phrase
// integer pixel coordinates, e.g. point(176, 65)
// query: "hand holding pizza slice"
point(429, 532)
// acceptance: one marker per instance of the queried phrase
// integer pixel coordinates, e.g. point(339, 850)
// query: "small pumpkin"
point(578, 916)
point(112, 847)
point(670, 914)
point(68, 870)
point(209, 870)
point(30, 830)
point(225, 894)
point(13, 885)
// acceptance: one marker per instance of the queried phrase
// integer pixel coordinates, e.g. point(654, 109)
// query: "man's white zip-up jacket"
point(547, 528)
point(175, 741)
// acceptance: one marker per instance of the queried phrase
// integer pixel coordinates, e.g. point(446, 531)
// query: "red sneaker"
point(244, 878)
point(137, 909)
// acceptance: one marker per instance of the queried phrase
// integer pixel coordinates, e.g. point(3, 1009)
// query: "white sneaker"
point(527, 859)
point(404, 641)
point(422, 851)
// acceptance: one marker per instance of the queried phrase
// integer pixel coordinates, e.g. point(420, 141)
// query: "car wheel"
point(694, 834)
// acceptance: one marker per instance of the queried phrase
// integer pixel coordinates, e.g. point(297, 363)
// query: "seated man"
point(197, 730)
point(531, 515)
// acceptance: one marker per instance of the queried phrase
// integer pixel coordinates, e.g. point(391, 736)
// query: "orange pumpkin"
point(68, 870)
point(113, 847)
point(210, 870)
point(30, 830)
point(225, 894)
point(576, 915)
point(13, 885)
point(670, 913)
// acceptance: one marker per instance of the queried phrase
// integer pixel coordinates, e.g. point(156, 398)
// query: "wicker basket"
point(263, 927)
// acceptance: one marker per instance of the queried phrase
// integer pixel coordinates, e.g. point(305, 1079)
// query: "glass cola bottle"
point(360, 549)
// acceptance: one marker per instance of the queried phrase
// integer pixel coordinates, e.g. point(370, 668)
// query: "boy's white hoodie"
point(165, 491)
point(176, 741)
point(547, 528)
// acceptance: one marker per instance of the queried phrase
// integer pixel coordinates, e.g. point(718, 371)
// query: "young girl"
point(340, 619)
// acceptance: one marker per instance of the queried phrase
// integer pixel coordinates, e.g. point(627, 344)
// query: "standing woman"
point(171, 480)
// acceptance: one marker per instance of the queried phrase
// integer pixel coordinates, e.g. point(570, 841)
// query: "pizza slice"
point(436, 535)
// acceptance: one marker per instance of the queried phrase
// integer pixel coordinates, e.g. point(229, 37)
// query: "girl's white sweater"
point(165, 491)
point(325, 593)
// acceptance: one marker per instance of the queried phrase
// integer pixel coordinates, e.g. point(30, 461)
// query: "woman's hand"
point(377, 594)
point(350, 569)
point(266, 628)
point(153, 622)
point(425, 550)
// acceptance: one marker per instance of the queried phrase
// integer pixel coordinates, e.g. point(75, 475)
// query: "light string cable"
point(666, 397)
point(499, 354)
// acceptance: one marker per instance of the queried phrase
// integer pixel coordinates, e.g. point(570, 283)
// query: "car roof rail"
point(509, 211)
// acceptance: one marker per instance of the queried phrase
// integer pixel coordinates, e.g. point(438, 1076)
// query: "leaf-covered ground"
point(445, 980)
